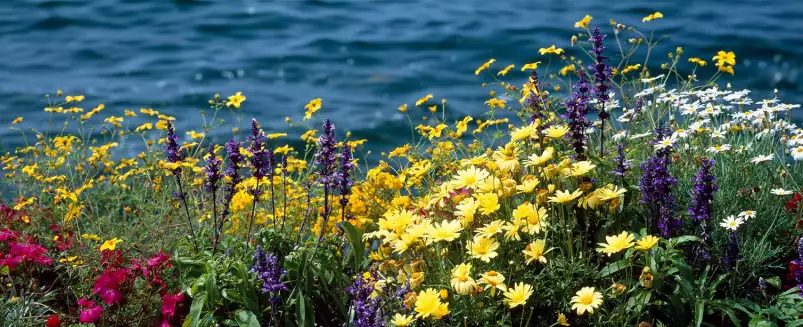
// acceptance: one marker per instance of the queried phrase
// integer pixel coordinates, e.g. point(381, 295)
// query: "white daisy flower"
point(665, 143)
point(747, 214)
point(731, 223)
point(759, 159)
point(780, 191)
point(719, 148)
point(797, 153)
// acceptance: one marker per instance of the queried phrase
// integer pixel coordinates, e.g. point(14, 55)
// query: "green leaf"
point(4, 270)
point(247, 318)
point(197, 306)
point(699, 310)
point(774, 281)
point(685, 238)
point(760, 322)
point(211, 289)
point(355, 238)
point(301, 309)
point(612, 268)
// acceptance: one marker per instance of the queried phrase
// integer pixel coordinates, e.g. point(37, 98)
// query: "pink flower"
point(8, 235)
point(10, 261)
point(91, 312)
point(107, 285)
point(30, 252)
point(169, 303)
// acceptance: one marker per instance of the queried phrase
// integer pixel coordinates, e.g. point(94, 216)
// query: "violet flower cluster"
point(171, 147)
point(602, 71)
point(702, 202)
point(326, 156)
point(732, 252)
point(212, 171)
point(536, 99)
point(367, 310)
point(342, 179)
point(656, 187)
point(797, 265)
point(270, 271)
point(235, 160)
point(261, 158)
point(577, 113)
point(622, 164)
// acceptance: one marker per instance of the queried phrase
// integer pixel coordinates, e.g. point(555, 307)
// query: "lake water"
point(364, 58)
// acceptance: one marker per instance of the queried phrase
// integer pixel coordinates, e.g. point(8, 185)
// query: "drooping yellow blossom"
point(535, 160)
point(493, 281)
point(518, 294)
point(194, 135)
point(583, 23)
point(552, 50)
point(647, 242)
point(462, 126)
point(466, 210)
point(311, 107)
point(143, 127)
point(503, 72)
point(423, 100)
point(73, 211)
point(586, 299)
point(617, 243)
point(482, 248)
point(73, 98)
point(110, 244)
point(697, 61)
point(461, 282)
point(496, 103)
point(403, 108)
point(652, 17)
point(532, 65)
point(235, 100)
point(565, 196)
point(16, 121)
point(562, 320)
point(536, 251)
point(484, 66)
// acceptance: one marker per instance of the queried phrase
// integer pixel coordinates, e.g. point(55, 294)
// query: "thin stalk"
point(187, 210)
point(253, 212)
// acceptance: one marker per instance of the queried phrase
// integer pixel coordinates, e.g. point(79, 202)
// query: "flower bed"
point(600, 193)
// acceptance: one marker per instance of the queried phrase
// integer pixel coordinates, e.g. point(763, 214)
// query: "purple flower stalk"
point(656, 187)
point(171, 148)
point(326, 158)
point(259, 160)
point(536, 99)
point(212, 171)
point(602, 74)
point(367, 310)
point(702, 202)
point(602, 71)
point(576, 113)
point(732, 252)
point(342, 178)
point(622, 164)
point(270, 271)
point(232, 171)
point(797, 272)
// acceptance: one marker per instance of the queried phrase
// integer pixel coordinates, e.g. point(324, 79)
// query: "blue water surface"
point(364, 58)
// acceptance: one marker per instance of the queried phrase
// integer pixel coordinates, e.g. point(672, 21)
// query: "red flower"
point(91, 312)
point(153, 268)
point(792, 205)
point(10, 261)
point(53, 321)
